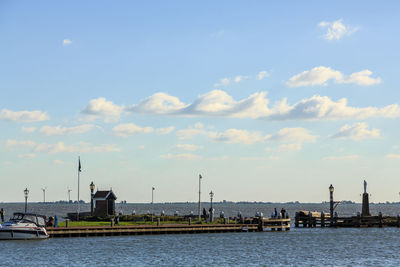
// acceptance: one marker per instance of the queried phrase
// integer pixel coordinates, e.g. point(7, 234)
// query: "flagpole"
point(79, 170)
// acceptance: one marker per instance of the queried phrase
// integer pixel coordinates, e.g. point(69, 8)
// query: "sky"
point(268, 101)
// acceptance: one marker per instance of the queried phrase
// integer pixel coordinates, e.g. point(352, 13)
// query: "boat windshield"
point(29, 218)
point(17, 217)
point(41, 221)
point(25, 218)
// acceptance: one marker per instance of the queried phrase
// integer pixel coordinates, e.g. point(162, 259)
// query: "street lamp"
point(211, 208)
point(199, 205)
point(152, 201)
point(91, 186)
point(26, 192)
point(331, 189)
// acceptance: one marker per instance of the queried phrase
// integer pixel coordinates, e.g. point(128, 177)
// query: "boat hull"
point(13, 234)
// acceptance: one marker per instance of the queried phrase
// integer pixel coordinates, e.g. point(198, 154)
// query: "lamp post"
point(152, 201)
point(69, 195)
point(211, 208)
point(199, 206)
point(91, 186)
point(26, 192)
point(44, 194)
point(331, 189)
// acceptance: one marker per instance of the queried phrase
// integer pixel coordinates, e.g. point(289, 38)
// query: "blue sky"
point(268, 101)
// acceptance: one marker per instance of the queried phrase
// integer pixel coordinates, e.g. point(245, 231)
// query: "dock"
point(319, 219)
point(267, 224)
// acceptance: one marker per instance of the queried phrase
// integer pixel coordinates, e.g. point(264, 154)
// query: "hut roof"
point(104, 195)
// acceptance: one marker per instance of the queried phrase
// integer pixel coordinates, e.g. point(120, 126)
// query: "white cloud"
point(292, 135)
point(101, 108)
point(197, 129)
point(58, 161)
point(220, 158)
point(290, 147)
point(285, 135)
point(321, 75)
point(141, 147)
point(223, 82)
point(317, 76)
point(235, 136)
point(322, 108)
point(362, 78)
point(393, 156)
point(58, 130)
point(67, 42)
point(188, 147)
point(262, 75)
point(240, 78)
point(186, 156)
point(166, 130)
point(24, 143)
point(219, 103)
point(80, 147)
point(29, 155)
point(356, 131)
point(347, 157)
point(23, 116)
point(159, 103)
point(28, 129)
point(336, 29)
point(128, 129)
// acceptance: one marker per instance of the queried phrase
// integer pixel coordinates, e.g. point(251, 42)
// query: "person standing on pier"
point(283, 213)
point(2, 215)
point(275, 213)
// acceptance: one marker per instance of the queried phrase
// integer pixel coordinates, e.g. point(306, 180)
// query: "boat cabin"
point(39, 220)
point(104, 203)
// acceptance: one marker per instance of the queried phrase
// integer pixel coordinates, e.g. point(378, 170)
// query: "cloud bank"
point(322, 75)
point(23, 116)
point(356, 132)
point(218, 103)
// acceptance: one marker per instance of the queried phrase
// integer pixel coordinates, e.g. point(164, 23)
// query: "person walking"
point(204, 214)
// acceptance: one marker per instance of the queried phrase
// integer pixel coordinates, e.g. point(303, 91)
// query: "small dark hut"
point(104, 203)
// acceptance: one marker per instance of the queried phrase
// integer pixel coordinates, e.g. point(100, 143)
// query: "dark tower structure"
point(365, 202)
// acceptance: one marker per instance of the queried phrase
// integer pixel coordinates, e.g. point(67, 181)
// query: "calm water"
point(299, 247)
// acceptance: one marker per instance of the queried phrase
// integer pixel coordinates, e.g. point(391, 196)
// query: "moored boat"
point(23, 226)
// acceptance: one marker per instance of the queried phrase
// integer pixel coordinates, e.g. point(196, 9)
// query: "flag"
point(79, 165)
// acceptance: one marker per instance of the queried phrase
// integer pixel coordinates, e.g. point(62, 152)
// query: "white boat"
point(24, 226)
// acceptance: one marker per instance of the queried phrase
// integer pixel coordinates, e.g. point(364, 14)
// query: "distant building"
point(104, 203)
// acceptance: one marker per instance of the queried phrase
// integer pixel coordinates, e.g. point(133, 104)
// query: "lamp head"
point(26, 192)
point(91, 186)
point(331, 188)
point(211, 194)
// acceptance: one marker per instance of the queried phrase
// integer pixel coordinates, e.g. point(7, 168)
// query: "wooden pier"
point(267, 224)
point(319, 219)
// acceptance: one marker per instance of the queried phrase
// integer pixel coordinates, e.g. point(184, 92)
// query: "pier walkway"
point(268, 224)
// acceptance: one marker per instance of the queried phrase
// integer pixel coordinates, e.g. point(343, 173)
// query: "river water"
point(297, 247)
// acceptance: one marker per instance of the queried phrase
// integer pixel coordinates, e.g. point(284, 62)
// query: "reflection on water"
point(317, 247)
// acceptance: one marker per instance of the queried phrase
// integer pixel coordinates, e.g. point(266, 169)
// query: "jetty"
point(258, 225)
point(332, 219)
